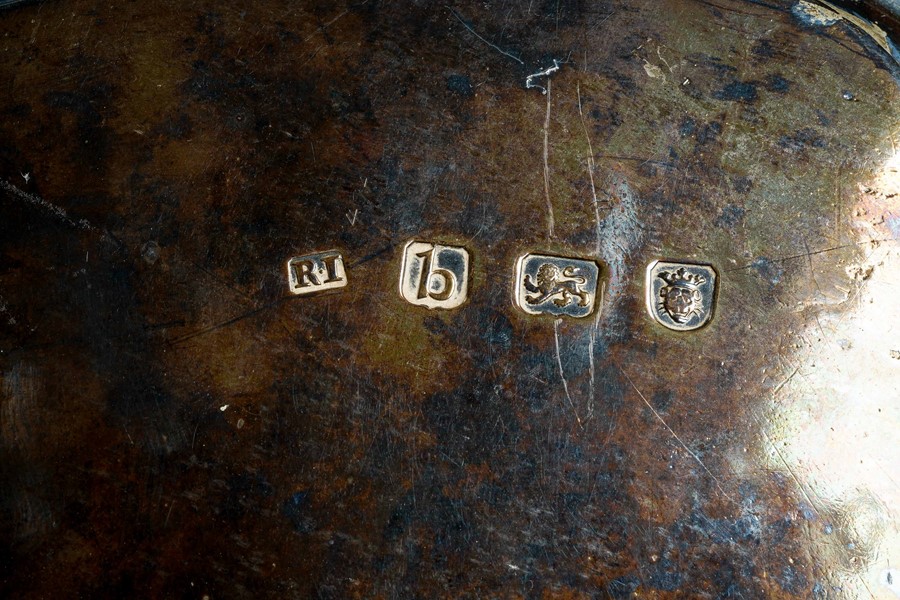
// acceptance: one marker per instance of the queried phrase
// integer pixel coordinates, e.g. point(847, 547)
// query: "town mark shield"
point(680, 296)
point(556, 285)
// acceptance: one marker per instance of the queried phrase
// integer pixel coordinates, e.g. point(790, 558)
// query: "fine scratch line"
point(783, 383)
point(590, 169)
point(675, 435)
point(227, 323)
point(324, 27)
point(475, 33)
point(592, 339)
point(814, 253)
point(562, 374)
point(790, 471)
point(48, 207)
point(547, 164)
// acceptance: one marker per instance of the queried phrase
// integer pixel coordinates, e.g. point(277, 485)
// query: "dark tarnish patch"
point(82, 104)
point(606, 121)
point(450, 524)
point(460, 84)
point(713, 63)
point(499, 332)
point(709, 133)
point(623, 587)
point(727, 578)
point(738, 91)
point(174, 128)
point(203, 84)
point(763, 49)
point(626, 84)
point(664, 575)
point(792, 581)
point(730, 216)
point(777, 84)
point(780, 529)
point(768, 270)
point(90, 105)
point(801, 140)
point(349, 103)
point(242, 495)
point(458, 420)
point(401, 517)
point(746, 529)
point(17, 111)
point(662, 399)
point(687, 127)
point(742, 185)
point(296, 509)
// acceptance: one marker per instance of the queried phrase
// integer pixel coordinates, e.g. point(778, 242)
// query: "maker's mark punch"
point(316, 272)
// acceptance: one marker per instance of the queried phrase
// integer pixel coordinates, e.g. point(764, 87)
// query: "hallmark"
point(433, 275)
point(556, 285)
point(316, 272)
point(680, 295)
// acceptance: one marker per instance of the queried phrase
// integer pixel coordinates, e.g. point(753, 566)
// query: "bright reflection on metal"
point(835, 413)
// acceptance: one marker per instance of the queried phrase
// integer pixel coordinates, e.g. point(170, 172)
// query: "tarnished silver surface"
point(175, 423)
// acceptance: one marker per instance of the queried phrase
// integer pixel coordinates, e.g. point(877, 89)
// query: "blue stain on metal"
point(893, 223)
point(768, 270)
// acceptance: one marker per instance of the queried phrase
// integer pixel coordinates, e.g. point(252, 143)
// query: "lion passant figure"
point(553, 281)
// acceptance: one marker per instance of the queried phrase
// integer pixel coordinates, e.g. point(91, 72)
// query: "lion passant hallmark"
point(556, 285)
point(680, 296)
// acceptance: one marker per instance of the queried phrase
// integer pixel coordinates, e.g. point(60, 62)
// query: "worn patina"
point(175, 422)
